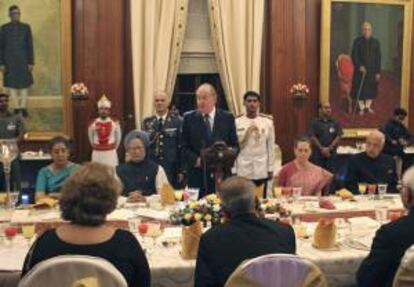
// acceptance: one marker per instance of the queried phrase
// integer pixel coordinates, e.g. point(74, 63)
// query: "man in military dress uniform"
point(164, 129)
point(11, 127)
point(17, 58)
point(105, 135)
point(256, 136)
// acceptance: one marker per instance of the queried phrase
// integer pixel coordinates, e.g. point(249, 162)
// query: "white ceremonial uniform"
point(256, 140)
point(105, 137)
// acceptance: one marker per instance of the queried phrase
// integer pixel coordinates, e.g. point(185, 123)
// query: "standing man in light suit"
point(256, 139)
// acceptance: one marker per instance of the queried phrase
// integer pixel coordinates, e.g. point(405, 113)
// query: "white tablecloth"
point(169, 269)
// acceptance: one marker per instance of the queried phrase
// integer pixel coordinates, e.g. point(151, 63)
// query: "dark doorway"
point(184, 91)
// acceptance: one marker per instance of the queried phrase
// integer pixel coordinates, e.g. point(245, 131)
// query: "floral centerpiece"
point(208, 210)
point(79, 91)
point(299, 91)
point(266, 206)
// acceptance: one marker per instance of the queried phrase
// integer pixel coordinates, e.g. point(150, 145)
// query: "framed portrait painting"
point(365, 61)
point(42, 42)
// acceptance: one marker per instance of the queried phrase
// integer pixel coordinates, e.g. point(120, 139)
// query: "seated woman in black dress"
point(140, 176)
point(87, 197)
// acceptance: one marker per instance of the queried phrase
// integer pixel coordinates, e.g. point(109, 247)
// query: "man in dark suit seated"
point(201, 129)
point(390, 243)
point(244, 236)
point(372, 166)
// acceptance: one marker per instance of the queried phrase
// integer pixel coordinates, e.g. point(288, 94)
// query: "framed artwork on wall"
point(365, 61)
point(49, 47)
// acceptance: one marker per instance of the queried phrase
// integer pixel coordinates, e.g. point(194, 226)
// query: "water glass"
point(133, 224)
point(296, 192)
point(14, 198)
point(381, 214)
point(193, 193)
point(154, 202)
point(382, 190)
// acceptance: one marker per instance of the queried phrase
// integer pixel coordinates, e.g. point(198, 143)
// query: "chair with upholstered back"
point(277, 270)
point(73, 271)
point(405, 273)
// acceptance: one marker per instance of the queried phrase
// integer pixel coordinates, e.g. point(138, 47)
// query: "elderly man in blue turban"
point(140, 176)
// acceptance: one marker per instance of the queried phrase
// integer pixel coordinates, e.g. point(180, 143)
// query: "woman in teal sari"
point(50, 178)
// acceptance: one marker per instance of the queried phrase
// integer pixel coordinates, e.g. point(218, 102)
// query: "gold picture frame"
point(326, 62)
point(60, 15)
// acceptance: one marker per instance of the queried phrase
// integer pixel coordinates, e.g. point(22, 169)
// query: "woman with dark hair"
point(87, 197)
point(300, 172)
point(51, 178)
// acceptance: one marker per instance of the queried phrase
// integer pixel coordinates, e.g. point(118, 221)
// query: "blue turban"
point(136, 134)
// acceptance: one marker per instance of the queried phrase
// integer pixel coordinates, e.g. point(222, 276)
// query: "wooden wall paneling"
point(411, 103)
point(129, 109)
point(293, 57)
point(313, 28)
point(98, 45)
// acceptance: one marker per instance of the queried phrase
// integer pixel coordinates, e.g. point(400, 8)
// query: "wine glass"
point(286, 194)
point(154, 231)
point(8, 152)
point(296, 192)
point(10, 232)
point(28, 231)
point(362, 188)
point(372, 188)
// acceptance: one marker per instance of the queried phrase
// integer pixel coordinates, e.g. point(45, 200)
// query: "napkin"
point(345, 194)
point(190, 238)
point(363, 222)
point(326, 203)
point(325, 234)
point(167, 195)
point(45, 202)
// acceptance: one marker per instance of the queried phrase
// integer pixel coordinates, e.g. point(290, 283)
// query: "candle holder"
point(8, 152)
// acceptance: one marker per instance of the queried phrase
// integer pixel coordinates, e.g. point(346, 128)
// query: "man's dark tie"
point(160, 124)
point(208, 127)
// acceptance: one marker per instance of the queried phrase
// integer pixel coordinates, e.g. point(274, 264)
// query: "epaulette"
point(186, 114)
point(270, 117)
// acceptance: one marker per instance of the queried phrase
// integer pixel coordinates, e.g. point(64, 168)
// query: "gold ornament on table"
point(299, 91)
point(167, 195)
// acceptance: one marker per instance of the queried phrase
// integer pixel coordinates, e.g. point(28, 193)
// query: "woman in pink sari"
point(302, 173)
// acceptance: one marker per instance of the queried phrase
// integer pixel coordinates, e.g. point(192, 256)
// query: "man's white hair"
point(408, 179)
